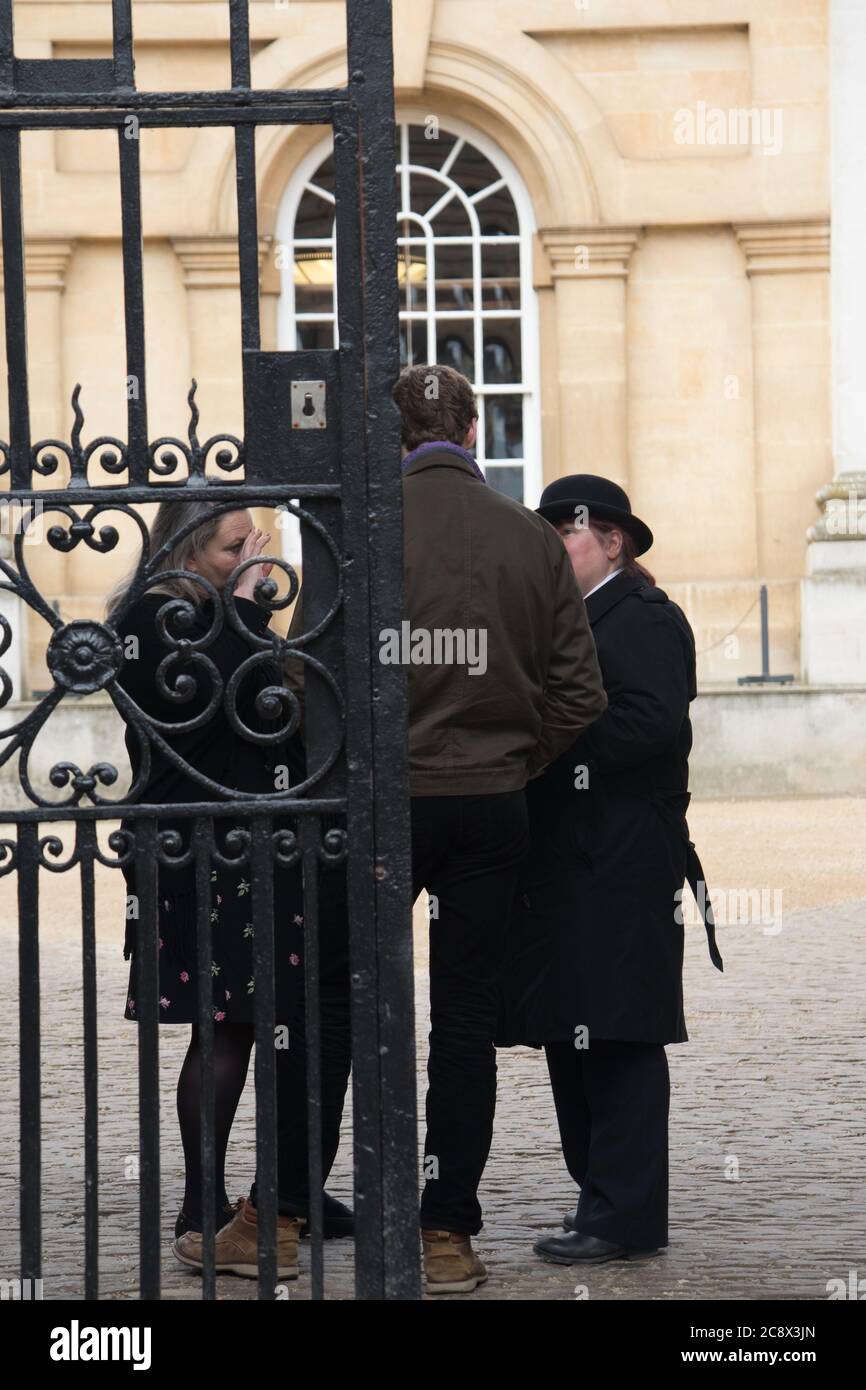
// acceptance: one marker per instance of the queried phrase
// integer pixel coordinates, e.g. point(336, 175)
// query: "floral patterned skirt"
point(233, 927)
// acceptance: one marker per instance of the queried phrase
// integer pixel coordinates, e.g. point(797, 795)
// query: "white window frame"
point(528, 388)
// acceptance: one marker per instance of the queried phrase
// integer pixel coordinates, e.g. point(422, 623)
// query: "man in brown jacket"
point(502, 676)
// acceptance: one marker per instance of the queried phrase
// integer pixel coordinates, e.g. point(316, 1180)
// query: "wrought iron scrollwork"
point(53, 845)
point(224, 451)
point(123, 842)
point(196, 454)
point(85, 656)
point(8, 857)
point(334, 847)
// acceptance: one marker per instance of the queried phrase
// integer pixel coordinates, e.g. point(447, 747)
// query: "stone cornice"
point(784, 248)
point(588, 253)
point(212, 262)
point(45, 263)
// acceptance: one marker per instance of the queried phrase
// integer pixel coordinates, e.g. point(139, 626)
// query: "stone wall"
point(681, 258)
point(779, 741)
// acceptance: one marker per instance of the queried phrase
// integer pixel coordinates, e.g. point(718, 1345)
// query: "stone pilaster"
point(212, 279)
point(46, 262)
point(834, 592)
point(587, 268)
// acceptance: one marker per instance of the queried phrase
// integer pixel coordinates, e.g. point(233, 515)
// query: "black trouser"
point(293, 1183)
point(612, 1102)
point(467, 852)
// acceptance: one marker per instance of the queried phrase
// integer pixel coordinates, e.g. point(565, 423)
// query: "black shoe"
point(577, 1249)
point(337, 1218)
point(569, 1221)
point(184, 1223)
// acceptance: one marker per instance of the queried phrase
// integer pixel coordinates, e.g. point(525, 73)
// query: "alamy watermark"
point(26, 518)
point(733, 125)
point(20, 1290)
point(438, 646)
point(732, 907)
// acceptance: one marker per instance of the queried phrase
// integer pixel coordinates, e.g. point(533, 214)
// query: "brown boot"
point(236, 1245)
point(450, 1263)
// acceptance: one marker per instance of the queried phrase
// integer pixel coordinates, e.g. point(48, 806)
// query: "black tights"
point(232, 1045)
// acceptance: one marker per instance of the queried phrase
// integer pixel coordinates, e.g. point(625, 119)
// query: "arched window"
point(465, 266)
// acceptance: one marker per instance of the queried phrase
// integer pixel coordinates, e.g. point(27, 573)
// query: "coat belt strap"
point(694, 876)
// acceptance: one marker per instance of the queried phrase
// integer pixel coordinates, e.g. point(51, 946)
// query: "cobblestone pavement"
point(767, 1132)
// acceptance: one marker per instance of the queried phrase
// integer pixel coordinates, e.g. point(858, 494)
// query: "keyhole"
point(309, 408)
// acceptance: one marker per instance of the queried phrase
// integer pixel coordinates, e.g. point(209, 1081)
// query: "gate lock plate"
point(308, 405)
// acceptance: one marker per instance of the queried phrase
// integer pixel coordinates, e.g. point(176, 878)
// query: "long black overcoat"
point(596, 938)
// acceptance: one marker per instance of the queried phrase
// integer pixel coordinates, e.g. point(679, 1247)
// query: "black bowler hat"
point(604, 501)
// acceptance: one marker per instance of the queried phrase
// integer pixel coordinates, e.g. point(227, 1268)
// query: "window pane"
point(500, 270)
point(506, 479)
point(503, 427)
point(424, 192)
point(309, 300)
point(413, 342)
point(454, 277)
point(314, 280)
point(315, 335)
point(428, 151)
point(473, 171)
point(498, 215)
point(412, 275)
point(453, 220)
point(503, 360)
point(325, 176)
point(454, 347)
point(315, 217)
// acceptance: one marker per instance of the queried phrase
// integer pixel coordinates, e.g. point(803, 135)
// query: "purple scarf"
point(444, 445)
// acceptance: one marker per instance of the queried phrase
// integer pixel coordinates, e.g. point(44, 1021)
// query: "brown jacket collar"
point(439, 458)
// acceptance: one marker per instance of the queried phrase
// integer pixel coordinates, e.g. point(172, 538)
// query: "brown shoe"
point(236, 1245)
point(450, 1263)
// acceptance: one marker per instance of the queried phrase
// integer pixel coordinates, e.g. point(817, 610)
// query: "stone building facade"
point(627, 204)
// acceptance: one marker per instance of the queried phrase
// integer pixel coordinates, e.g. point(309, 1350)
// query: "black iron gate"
point(342, 481)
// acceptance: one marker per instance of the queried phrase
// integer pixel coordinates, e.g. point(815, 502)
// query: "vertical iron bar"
point(7, 47)
point(147, 1012)
point(86, 846)
point(31, 1071)
point(245, 177)
point(310, 840)
point(239, 42)
point(16, 306)
point(248, 236)
point(124, 59)
point(202, 840)
point(366, 1113)
point(765, 633)
point(262, 875)
point(129, 149)
point(371, 83)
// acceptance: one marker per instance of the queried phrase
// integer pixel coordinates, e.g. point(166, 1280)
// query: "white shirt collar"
point(606, 580)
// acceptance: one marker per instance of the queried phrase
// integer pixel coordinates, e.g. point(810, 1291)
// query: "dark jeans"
point(293, 1183)
point(612, 1102)
point(467, 851)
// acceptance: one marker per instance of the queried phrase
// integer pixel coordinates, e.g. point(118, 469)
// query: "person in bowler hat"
point(595, 954)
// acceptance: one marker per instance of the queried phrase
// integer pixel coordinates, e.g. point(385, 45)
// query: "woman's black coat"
point(596, 939)
point(215, 749)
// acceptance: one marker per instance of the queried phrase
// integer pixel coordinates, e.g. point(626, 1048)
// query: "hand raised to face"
point(252, 546)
